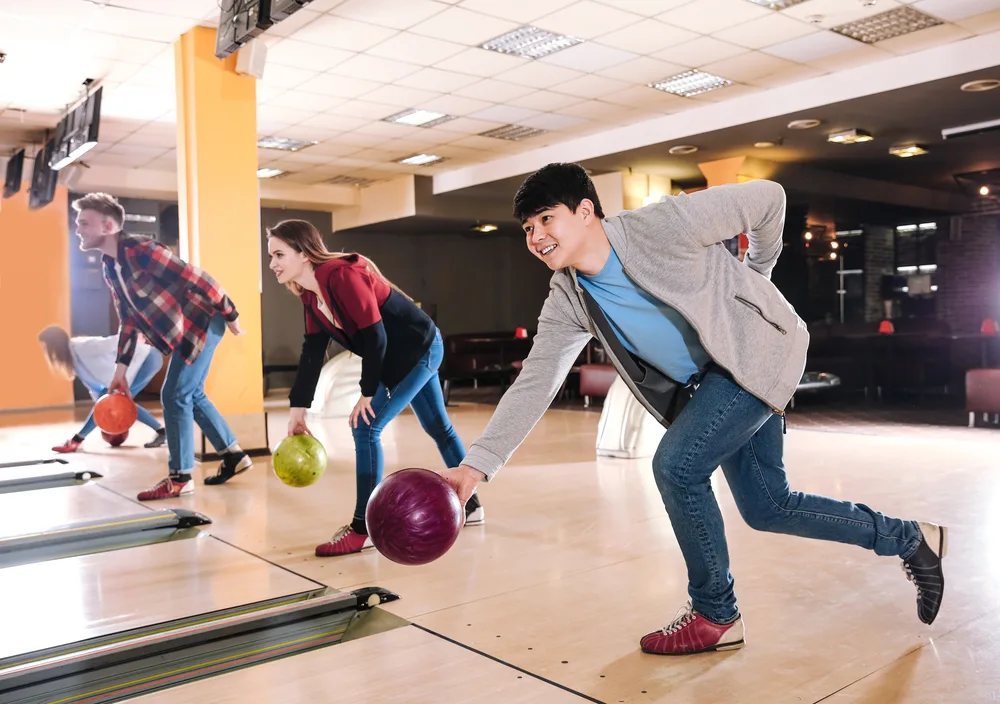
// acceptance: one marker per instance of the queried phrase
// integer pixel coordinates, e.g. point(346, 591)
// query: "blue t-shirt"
point(647, 327)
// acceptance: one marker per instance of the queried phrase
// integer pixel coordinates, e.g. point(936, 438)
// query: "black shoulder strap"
point(617, 348)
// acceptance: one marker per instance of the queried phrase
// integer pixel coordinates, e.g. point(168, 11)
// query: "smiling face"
point(558, 236)
point(286, 263)
point(93, 228)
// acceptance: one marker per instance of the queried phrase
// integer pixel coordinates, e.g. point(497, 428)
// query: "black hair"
point(552, 185)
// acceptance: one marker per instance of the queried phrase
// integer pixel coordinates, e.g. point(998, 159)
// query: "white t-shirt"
point(121, 280)
point(98, 355)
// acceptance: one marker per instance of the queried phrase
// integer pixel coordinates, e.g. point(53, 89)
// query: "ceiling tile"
point(480, 62)
point(339, 86)
point(709, 16)
point(747, 66)
point(737, 90)
point(586, 19)
point(648, 99)
point(324, 5)
point(520, 11)
point(286, 76)
point(330, 121)
point(364, 109)
point(481, 122)
point(300, 100)
point(601, 111)
point(832, 13)
point(589, 57)
point(538, 74)
point(647, 37)
point(591, 86)
point(456, 105)
point(863, 54)
point(981, 24)
point(699, 52)
point(271, 127)
point(308, 132)
point(416, 49)
point(342, 33)
point(643, 70)
point(504, 114)
point(768, 30)
point(790, 74)
point(552, 121)
point(150, 138)
point(646, 7)
point(266, 92)
point(401, 97)
point(812, 47)
point(289, 52)
point(458, 25)
point(374, 68)
point(545, 101)
point(437, 80)
point(386, 129)
point(288, 27)
point(360, 139)
point(924, 39)
point(388, 13)
point(493, 91)
point(279, 113)
point(477, 142)
point(333, 147)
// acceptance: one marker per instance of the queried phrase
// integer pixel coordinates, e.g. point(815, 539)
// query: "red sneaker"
point(167, 489)
point(692, 633)
point(345, 542)
point(70, 445)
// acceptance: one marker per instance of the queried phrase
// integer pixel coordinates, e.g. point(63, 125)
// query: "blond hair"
point(102, 203)
point(55, 343)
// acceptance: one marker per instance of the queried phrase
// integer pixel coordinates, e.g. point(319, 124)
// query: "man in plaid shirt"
point(183, 312)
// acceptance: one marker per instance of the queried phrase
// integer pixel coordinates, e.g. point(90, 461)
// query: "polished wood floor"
point(577, 561)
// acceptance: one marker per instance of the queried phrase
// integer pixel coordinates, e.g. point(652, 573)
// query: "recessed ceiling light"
point(683, 149)
point(765, 145)
point(421, 159)
point(853, 136)
point(269, 173)
point(984, 190)
point(981, 85)
point(512, 133)
point(690, 83)
point(907, 150)
point(803, 124)
point(530, 42)
point(886, 25)
point(419, 118)
point(488, 227)
point(776, 4)
point(284, 144)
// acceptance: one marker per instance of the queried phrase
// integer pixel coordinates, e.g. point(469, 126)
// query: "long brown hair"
point(304, 238)
point(55, 343)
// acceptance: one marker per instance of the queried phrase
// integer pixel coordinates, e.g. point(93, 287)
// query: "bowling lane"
point(402, 665)
point(33, 511)
point(61, 602)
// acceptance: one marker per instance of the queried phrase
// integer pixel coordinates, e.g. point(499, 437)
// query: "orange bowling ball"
point(115, 413)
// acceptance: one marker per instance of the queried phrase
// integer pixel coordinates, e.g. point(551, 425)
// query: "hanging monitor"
point(15, 174)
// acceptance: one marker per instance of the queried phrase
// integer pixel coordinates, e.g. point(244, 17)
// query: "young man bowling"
point(678, 313)
point(182, 312)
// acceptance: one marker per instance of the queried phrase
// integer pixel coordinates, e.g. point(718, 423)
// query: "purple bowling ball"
point(414, 516)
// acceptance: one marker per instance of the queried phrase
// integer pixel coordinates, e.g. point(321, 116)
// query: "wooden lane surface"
point(31, 511)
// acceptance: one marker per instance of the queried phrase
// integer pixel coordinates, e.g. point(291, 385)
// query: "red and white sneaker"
point(691, 633)
point(167, 488)
point(70, 445)
point(345, 542)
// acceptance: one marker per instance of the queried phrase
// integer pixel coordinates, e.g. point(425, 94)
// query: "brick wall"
point(879, 260)
point(969, 273)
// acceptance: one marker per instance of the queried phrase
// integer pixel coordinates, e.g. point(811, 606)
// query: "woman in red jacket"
point(347, 298)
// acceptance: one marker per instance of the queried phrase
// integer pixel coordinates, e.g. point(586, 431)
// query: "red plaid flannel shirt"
point(168, 300)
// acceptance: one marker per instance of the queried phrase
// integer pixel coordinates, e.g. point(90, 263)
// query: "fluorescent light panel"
point(419, 118)
point(854, 136)
point(512, 133)
point(886, 25)
point(907, 150)
point(269, 173)
point(691, 83)
point(284, 144)
point(421, 159)
point(530, 42)
point(776, 4)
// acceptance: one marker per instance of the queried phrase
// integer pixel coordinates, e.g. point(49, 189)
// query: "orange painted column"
point(219, 204)
point(34, 293)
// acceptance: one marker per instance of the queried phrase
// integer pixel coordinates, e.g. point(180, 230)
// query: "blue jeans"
point(185, 403)
point(147, 371)
point(724, 425)
point(421, 389)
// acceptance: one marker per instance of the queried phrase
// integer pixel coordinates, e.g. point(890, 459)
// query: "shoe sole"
point(944, 542)
point(711, 649)
point(237, 473)
point(345, 554)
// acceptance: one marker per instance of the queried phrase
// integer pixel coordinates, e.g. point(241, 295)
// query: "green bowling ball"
point(299, 460)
